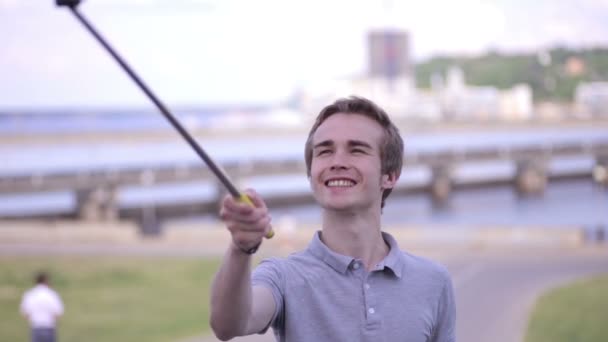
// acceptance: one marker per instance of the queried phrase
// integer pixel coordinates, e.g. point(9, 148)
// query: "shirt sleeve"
point(24, 306)
point(268, 274)
point(58, 305)
point(445, 329)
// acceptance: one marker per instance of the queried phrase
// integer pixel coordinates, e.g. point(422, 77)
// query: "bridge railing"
point(96, 190)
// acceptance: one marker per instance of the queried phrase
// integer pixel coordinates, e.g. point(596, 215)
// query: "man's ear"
point(389, 180)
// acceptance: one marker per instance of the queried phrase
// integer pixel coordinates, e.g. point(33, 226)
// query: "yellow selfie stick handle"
point(245, 199)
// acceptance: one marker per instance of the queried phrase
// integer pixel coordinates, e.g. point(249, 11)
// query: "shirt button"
point(367, 286)
point(371, 310)
point(356, 265)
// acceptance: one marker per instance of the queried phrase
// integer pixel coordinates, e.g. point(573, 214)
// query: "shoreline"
point(169, 135)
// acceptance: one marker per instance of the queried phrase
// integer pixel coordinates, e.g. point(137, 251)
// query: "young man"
point(352, 283)
point(42, 306)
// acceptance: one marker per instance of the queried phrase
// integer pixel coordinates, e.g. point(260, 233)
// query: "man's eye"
point(357, 150)
point(322, 152)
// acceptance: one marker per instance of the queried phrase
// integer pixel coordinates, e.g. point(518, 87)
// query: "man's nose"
point(339, 161)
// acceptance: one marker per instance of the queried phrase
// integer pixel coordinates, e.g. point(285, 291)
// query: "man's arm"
point(58, 306)
point(23, 307)
point(237, 308)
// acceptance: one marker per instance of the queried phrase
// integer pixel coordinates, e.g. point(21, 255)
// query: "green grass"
point(113, 299)
point(575, 313)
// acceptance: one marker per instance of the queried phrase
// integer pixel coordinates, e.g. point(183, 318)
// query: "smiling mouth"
point(340, 183)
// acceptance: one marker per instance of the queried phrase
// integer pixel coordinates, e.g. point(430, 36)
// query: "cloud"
point(453, 26)
point(237, 50)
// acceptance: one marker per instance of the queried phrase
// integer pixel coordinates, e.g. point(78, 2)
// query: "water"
point(564, 204)
point(143, 120)
point(577, 202)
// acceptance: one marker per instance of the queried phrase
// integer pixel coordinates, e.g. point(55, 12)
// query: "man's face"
point(346, 168)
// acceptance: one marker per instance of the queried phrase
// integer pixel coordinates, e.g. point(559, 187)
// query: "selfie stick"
point(72, 4)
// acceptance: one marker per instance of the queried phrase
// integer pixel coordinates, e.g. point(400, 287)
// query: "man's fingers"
point(257, 200)
point(259, 203)
point(247, 219)
point(251, 218)
point(259, 226)
point(234, 205)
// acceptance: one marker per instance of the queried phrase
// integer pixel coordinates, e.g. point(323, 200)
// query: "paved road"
point(495, 290)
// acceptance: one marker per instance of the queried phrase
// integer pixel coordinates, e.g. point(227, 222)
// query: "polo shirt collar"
point(393, 261)
point(336, 261)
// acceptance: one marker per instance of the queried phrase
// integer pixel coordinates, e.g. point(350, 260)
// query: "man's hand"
point(248, 225)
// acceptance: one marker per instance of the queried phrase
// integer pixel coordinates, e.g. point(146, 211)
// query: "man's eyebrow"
point(359, 143)
point(324, 143)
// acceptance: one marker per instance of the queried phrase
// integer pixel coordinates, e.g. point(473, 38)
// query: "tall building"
point(389, 55)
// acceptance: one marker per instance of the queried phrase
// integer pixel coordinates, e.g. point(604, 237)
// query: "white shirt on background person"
point(41, 305)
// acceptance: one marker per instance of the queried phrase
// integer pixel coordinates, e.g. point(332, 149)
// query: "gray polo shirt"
point(324, 296)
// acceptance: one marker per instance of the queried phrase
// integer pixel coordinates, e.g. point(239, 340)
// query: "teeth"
point(340, 183)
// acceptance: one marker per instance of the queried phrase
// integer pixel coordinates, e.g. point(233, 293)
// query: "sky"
point(223, 52)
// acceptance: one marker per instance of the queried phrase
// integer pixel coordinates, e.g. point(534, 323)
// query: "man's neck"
point(355, 234)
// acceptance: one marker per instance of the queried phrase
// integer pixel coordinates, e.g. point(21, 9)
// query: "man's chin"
point(339, 206)
point(335, 202)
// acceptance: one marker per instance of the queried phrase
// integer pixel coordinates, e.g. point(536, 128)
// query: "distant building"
point(460, 101)
point(389, 81)
point(575, 66)
point(389, 55)
point(516, 103)
point(591, 99)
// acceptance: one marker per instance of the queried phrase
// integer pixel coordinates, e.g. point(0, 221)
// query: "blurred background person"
point(42, 306)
